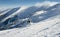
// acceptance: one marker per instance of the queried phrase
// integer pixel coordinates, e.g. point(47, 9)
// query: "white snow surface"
point(45, 3)
point(49, 28)
point(22, 8)
point(39, 12)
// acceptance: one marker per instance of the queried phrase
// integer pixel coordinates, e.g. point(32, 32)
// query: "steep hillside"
point(33, 21)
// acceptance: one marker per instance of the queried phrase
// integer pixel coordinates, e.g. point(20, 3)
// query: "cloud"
point(45, 3)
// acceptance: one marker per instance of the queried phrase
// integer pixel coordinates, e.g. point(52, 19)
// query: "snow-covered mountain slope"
point(8, 13)
point(46, 28)
point(34, 21)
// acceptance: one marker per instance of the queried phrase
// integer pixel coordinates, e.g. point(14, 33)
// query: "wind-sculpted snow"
point(34, 21)
point(46, 28)
point(16, 20)
point(3, 11)
point(9, 13)
point(47, 14)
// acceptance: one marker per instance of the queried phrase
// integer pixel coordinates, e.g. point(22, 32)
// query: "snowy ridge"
point(34, 21)
point(34, 30)
point(46, 4)
point(4, 12)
